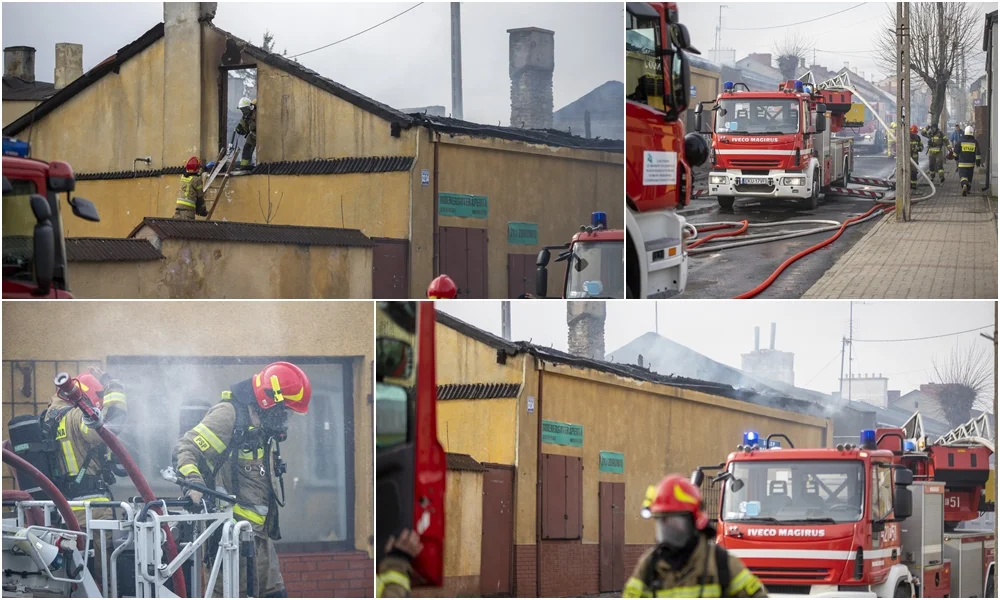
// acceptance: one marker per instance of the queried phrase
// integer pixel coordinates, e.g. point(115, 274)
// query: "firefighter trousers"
point(268, 580)
point(248, 147)
point(965, 175)
point(936, 167)
point(184, 213)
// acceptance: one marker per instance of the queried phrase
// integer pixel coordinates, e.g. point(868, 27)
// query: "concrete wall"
point(14, 109)
point(36, 331)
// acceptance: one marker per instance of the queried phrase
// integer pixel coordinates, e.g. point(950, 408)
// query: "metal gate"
point(390, 273)
point(520, 275)
point(463, 258)
point(495, 572)
point(612, 536)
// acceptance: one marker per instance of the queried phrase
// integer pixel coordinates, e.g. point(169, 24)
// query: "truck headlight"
point(793, 181)
point(718, 179)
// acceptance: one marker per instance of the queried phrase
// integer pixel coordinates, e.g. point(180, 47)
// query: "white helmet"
point(244, 102)
point(969, 130)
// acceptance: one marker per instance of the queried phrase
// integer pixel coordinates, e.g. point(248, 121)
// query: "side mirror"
point(393, 359)
point(904, 477)
point(543, 258)
point(697, 477)
point(697, 117)
point(820, 122)
point(84, 209)
point(903, 506)
point(735, 484)
point(683, 38)
point(541, 281)
point(683, 95)
point(44, 251)
point(40, 208)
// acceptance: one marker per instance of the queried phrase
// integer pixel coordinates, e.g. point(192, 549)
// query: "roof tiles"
point(110, 250)
point(254, 233)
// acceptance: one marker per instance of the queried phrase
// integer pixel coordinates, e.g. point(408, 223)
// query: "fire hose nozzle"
point(69, 390)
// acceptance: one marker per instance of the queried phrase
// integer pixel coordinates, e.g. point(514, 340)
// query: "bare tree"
point(791, 52)
point(940, 34)
point(966, 382)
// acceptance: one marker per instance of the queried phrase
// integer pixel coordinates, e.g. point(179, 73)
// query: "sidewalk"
point(947, 250)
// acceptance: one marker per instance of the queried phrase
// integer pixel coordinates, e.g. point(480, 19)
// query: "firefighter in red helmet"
point(235, 449)
point(190, 195)
point(686, 562)
point(442, 288)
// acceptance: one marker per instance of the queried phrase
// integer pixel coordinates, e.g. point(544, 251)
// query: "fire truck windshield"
point(643, 62)
point(596, 270)
point(757, 115)
point(801, 491)
point(18, 230)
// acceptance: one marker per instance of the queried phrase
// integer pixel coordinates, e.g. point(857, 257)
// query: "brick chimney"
point(585, 336)
point(763, 58)
point(532, 61)
point(893, 396)
point(19, 61)
point(69, 64)
point(182, 81)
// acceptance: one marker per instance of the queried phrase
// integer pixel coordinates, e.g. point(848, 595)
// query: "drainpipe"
point(538, 490)
point(436, 140)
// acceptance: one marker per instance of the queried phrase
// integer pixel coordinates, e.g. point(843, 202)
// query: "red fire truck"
point(777, 144)
point(863, 520)
point(658, 156)
point(594, 266)
point(34, 249)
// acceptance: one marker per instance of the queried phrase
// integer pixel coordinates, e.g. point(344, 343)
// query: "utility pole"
point(456, 60)
point(656, 316)
point(903, 111)
point(718, 33)
point(843, 351)
point(505, 319)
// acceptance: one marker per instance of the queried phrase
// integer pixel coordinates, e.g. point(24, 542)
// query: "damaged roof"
point(110, 250)
point(15, 88)
point(254, 233)
point(547, 137)
point(335, 166)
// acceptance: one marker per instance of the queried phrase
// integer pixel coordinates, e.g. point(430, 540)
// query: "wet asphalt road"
point(730, 272)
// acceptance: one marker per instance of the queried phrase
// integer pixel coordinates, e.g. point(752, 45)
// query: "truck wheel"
point(812, 202)
point(726, 202)
point(991, 586)
point(902, 591)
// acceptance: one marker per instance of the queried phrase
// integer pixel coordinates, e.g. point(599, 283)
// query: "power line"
point(356, 34)
point(793, 24)
point(929, 337)
point(835, 357)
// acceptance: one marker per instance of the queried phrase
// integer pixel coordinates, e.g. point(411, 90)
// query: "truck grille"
point(754, 188)
point(791, 590)
point(803, 574)
point(755, 163)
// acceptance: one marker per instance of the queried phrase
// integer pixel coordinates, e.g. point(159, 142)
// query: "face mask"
point(274, 422)
point(674, 531)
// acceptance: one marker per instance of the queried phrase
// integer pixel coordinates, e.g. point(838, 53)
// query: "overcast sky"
point(846, 37)
point(404, 63)
point(723, 330)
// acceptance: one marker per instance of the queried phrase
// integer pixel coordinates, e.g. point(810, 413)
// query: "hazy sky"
point(846, 37)
point(723, 330)
point(404, 63)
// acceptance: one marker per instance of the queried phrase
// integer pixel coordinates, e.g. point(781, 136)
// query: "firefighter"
point(442, 288)
point(937, 143)
point(916, 147)
point(393, 579)
point(191, 196)
point(234, 449)
point(248, 127)
point(686, 562)
point(968, 157)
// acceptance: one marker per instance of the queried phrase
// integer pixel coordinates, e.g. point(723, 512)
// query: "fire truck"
point(875, 519)
point(658, 155)
point(34, 248)
point(777, 144)
point(594, 266)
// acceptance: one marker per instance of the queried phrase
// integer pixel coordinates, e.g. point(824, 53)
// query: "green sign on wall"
point(522, 233)
point(463, 205)
point(563, 434)
point(612, 462)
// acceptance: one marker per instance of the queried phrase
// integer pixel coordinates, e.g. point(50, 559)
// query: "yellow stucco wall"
point(464, 531)
point(36, 331)
point(13, 109)
point(461, 359)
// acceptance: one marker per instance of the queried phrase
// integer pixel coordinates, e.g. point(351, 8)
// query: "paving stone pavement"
point(947, 250)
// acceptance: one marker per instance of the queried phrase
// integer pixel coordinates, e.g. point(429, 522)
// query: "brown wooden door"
point(612, 536)
point(495, 572)
point(389, 269)
point(463, 258)
point(520, 275)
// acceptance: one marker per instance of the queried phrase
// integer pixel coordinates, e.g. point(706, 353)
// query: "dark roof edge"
point(508, 133)
point(86, 80)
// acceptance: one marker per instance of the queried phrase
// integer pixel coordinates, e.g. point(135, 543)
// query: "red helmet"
point(282, 382)
point(677, 494)
point(442, 288)
point(193, 164)
point(91, 388)
point(913, 129)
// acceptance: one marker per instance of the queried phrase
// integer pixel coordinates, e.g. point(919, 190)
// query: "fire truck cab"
point(594, 263)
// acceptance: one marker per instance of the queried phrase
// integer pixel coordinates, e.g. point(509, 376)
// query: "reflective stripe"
point(710, 590)
point(69, 455)
point(635, 588)
point(745, 580)
point(935, 149)
point(966, 165)
point(394, 578)
point(249, 515)
point(188, 469)
point(186, 203)
point(84, 429)
point(227, 395)
point(96, 499)
point(379, 588)
point(210, 437)
point(112, 397)
point(250, 455)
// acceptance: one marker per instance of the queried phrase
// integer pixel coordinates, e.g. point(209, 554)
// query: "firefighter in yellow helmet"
point(235, 450)
point(393, 579)
point(685, 561)
point(191, 196)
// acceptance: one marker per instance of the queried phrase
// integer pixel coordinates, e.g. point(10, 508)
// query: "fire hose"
point(69, 390)
point(48, 487)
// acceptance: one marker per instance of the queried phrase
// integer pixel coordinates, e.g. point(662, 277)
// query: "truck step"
point(842, 191)
point(871, 181)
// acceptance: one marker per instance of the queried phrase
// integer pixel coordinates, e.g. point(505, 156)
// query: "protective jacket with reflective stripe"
point(393, 579)
point(205, 449)
point(190, 194)
point(967, 152)
point(699, 577)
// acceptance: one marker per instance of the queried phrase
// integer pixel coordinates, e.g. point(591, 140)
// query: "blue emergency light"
point(799, 86)
point(750, 438)
point(868, 438)
point(13, 147)
point(909, 446)
point(599, 220)
point(728, 86)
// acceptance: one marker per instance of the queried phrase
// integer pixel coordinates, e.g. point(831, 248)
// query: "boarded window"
point(562, 497)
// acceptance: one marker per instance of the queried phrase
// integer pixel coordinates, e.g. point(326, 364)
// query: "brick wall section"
point(524, 571)
point(633, 552)
point(328, 574)
point(531, 99)
point(569, 568)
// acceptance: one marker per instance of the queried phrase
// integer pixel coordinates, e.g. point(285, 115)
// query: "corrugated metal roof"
point(110, 250)
point(478, 391)
point(15, 88)
point(548, 137)
point(137, 174)
point(463, 462)
point(254, 233)
point(333, 166)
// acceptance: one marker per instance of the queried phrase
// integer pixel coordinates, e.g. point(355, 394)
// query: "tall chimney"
point(69, 64)
point(532, 60)
point(585, 334)
point(774, 331)
point(182, 95)
point(756, 338)
point(456, 60)
point(19, 61)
